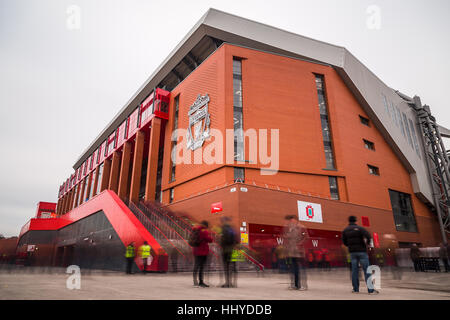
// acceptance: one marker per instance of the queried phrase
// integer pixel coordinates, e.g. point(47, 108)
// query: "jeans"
point(357, 258)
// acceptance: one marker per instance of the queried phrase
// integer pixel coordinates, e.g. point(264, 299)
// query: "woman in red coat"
point(201, 251)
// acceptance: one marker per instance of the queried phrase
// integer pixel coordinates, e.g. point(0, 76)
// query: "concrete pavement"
point(35, 283)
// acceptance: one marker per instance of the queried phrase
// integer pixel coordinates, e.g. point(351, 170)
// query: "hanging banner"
point(310, 212)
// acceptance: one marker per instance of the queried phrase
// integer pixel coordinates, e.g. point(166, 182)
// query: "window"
point(364, 121)
point(237, 110)
point(174, 143)
point(239, 175)
point(369, 145)
point(326, 132)
point(403, 212)
point(171, 195)
point(99, 180)
point(373, 170)
point(334, 192)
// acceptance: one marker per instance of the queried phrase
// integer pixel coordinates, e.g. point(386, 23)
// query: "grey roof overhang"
point(365, 86)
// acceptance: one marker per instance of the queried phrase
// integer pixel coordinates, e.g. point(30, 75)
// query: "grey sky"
point(59, 87)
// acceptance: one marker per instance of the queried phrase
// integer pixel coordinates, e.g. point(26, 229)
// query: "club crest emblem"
point(199, 121)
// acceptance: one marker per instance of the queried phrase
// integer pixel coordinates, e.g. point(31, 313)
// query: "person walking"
point(130, 253)
point(294, 235)
point(443, 254)
point(356, 238)
point(228, 242)
point(144, 253)
point(199, 242)
point(415, 257)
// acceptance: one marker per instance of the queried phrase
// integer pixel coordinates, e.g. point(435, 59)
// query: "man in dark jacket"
point(415, 257)
point(228, 241)
point(201, 252)
point(356, 238)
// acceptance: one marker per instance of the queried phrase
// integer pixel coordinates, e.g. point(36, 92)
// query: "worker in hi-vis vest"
point(144, 253)
point(130, 253)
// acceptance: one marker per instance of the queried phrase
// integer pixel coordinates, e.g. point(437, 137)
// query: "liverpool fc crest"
point(198, 130)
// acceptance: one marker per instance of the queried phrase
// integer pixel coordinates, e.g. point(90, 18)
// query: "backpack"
point(194, 239)
point(228, 237)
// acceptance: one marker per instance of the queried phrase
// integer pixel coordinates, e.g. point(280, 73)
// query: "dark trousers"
point(295, 270)
point(199, 266)
point(229, 268)
point(417, 265)
point(144, 264)
point(447, 267)
point(129, 265)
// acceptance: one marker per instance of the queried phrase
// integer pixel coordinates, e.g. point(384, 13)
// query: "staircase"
point(172, 231)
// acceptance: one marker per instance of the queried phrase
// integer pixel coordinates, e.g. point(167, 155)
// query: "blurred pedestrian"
point(199, 241)
point(356, 239)
point(130, 253)
point(443, 254)
point(294, 235)
point(144, 254)
point(228, 241)
point(415, 257)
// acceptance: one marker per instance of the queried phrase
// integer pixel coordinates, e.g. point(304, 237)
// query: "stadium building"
point(253, 122)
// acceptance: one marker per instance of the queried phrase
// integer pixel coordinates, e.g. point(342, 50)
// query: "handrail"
point(155, 231)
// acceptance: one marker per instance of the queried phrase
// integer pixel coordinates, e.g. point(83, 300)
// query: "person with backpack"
point(228, 242)
point(356, 238)
point(199, 241)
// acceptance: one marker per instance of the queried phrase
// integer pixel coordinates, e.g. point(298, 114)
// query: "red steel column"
point(124, 170)
point(137, 166)
point(152, 165)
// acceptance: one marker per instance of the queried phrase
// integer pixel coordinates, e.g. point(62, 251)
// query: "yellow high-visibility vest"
point(144, 251)
point(237, 255)
point(129, 253)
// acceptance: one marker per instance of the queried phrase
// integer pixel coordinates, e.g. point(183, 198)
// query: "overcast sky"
point(62, 82)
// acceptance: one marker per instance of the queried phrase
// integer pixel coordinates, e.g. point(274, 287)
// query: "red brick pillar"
point(137, 166)
point(106, 174)
point(124, 171)
point(115, 169)
point(152, 165)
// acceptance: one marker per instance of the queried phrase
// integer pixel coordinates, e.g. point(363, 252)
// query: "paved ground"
point(23, 284)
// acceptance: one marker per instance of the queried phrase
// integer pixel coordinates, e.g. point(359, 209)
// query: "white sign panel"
point(310, 212)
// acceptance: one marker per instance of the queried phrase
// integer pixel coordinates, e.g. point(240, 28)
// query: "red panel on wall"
point(365, 221)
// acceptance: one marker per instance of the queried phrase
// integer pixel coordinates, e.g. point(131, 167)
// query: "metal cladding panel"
point(121, 134)
point(123, 221)
point(133, 124)
point(147, 110)
point(102, 150)
point(111, 144)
